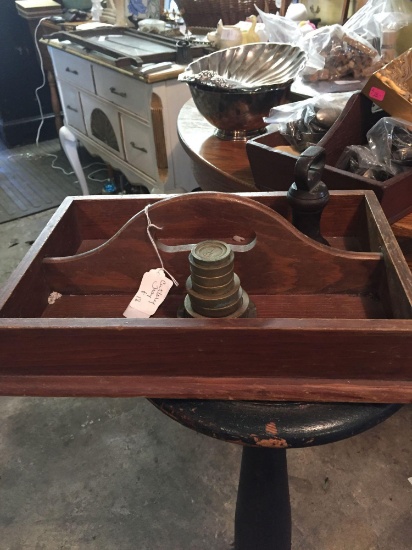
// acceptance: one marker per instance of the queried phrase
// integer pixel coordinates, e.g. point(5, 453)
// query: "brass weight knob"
point(213, 289)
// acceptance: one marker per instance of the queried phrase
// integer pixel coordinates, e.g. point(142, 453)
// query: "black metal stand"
point(263, 513)
point(263, 516)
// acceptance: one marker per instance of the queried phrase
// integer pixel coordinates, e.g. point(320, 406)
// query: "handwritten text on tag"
point(152, 292)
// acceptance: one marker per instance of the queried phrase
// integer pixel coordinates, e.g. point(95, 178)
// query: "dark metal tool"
point(308, 195)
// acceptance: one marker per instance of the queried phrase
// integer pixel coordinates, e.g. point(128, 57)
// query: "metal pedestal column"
point(263, 516)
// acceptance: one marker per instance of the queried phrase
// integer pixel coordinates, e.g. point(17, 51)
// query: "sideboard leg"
point(69, 144)
point(55, 101)
point(263, 517)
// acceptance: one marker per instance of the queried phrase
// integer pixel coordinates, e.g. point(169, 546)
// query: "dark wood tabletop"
point(218, 165)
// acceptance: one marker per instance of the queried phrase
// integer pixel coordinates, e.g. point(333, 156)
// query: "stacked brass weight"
point(213, 289)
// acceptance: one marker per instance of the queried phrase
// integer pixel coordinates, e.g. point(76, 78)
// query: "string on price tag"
point(154, 286)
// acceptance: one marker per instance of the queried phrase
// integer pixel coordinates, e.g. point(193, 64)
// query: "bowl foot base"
point(238, 135)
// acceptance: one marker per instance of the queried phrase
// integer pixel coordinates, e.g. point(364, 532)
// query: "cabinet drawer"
point(72, 69)
point(72, 109)
point(139, 146)
point(102, 123)
point(127, 92)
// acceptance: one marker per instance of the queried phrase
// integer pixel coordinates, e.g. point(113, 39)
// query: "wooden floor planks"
point(29, 183)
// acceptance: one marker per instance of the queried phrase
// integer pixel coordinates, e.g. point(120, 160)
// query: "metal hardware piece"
point(70, 108)
point(114, 91)
point(72, 71)
point(308, 195)
point(133, 144)
point(213, 289)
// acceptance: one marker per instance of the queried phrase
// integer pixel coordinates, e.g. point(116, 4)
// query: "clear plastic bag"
point(379, 17)
point(304, 123)
point(286, 31)
point(332, 52)
point(388, 152)
point(280, 29)
point(360, 160)
point(390, 140)
point(345, 54)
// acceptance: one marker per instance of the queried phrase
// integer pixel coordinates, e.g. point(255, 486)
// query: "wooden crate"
point(273, 169)
point(333, 323)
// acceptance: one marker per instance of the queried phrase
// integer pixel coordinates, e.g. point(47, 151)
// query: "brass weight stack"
point(213, 289)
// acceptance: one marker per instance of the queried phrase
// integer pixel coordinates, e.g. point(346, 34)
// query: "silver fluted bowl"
point(235, 88)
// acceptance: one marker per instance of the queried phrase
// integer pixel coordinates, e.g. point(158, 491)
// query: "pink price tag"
point(377, 93)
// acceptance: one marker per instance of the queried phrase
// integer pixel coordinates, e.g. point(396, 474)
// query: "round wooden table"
point(218, 165)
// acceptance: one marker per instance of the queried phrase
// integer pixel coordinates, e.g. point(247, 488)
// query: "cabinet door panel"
point(102, 123)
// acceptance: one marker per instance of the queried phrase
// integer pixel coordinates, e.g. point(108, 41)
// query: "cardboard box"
point(391, 87)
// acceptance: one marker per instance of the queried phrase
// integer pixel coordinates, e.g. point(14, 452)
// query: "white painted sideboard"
point(128, 122)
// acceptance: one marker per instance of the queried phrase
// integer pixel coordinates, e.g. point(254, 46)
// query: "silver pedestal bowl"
point(234, 89)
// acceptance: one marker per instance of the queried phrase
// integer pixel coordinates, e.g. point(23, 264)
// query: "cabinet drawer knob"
point(133, 144)
point(72, 71)
point(114, 91)
point(70, 108)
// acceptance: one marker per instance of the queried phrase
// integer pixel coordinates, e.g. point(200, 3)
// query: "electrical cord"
point(89, 176)
point(55, 157)
point(44, 78)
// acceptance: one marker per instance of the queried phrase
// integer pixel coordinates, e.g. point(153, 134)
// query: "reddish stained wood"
point(187, 387)
point(332, 306)
point(340, 349)
point(272, 358)
point(60, 234)
point(208, 153)
point(403, 227)
point(100, 217)
point(282, 261)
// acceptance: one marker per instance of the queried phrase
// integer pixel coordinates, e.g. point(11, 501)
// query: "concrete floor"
point(116, 474)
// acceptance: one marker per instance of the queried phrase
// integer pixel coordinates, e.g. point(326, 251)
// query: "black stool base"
point(263, 517)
